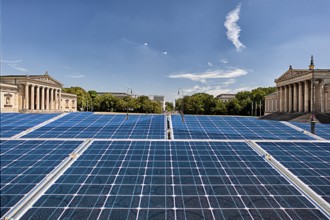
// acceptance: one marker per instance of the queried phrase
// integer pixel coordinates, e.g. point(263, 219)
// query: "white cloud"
point(233, 29)
point(145, 44)
point(225, 61)
point(211, 74)
point(76, 76)
point(212, 90)
point(210, 64)
point(14, 64)
point(16, 67)
point(11, 61)
point(165, 52)
point(67, 67)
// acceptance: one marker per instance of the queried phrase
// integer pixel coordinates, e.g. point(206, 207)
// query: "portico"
point(38, 93)
point(301, 90)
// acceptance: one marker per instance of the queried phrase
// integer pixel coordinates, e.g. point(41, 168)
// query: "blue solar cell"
point(25, 163)
point(322, 130)
point(15, 123)
point(232, 127)
point(171, 180)
point(115, 126)
point(310, 162)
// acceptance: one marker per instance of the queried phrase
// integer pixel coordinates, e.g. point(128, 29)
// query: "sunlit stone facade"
point(301, 90)
point(34, 93)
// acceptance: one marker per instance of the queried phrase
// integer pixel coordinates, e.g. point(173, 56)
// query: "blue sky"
point(156, 47)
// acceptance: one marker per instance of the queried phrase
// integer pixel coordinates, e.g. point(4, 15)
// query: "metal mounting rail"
point(22, 206)
point(170, 127)
point(317, 199)
point(39, 126)
point(302, 130)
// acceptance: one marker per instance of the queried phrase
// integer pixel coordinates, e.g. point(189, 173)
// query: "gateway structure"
point(301, 90)
point(34, 93)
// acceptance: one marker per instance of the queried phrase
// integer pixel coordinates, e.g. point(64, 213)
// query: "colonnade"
point(299, 97)
point(38, 97)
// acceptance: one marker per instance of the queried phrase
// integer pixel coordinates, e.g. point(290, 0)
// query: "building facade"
point(301, 90)
point(35, 93)
point(226, 97)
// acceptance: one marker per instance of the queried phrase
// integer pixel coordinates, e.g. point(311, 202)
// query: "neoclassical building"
point(301, 90)
point(34, 93)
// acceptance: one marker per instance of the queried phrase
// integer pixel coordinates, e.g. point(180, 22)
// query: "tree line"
point(92, 101)
point(245, 103)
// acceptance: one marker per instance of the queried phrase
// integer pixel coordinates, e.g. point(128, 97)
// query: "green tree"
point(169, 106)
point(83, 98)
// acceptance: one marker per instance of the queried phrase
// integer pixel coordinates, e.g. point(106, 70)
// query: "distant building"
point(34, 93)
point(158, 98)
point(115, 94)
point(226, 97)
point(301, 90)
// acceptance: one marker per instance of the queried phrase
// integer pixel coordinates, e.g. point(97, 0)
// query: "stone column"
point(59, 99)
point(300, 97)
point(32, 97)
point(290, 98)
point(285, 108)
point(295, 97)
point(51, 99)
point(311, 94)
point(47, 99)
point(38, 98)
point(42, 98)
point(326, 97)
point(278, 97)
point(55, 99)
point(27, 96)
point(306, 96)
point(321, 96)
point(282, 98)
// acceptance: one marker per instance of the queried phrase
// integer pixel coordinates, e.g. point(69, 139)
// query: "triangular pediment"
point(46, 79)
point(291, 73)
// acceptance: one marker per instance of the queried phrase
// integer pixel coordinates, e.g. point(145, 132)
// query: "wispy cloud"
point(164, 52)
point(11, 61)
point(67, 67)
point(211, 74)
point(210, 64)
point(15, 64)
point(224, 61)
point(233, 29)
point(213, 90)
point(76, 76)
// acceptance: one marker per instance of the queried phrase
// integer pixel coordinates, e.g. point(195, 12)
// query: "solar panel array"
point(143, 176)
point(234, 128)
point(172, 180)
point(88, 125)
point(322, 130)
point(15, 123)
point(25, 163)
point(310, 162)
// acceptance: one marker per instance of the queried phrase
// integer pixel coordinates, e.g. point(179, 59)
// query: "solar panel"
point(24, 163)
point(15, 123)
point(171, 180)
point(322, 130)
point(310, 162)
point(88, 125)
point(231, 127)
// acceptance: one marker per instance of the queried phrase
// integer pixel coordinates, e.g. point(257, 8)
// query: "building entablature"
point(295, 76)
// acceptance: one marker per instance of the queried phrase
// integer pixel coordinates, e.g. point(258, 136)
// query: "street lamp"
point(127, 101)
point(182, 104)
point(311, 67)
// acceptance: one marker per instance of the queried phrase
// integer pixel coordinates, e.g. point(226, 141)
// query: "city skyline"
point(157, 48)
